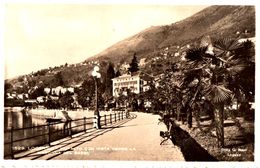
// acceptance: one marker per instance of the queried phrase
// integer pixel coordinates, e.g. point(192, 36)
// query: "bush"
point(14, 103)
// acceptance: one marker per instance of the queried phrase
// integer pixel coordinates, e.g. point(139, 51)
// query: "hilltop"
point(214, 21)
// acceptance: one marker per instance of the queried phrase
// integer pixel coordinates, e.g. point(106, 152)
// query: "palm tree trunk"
point(219, 120)
point(189, 106)
point(189, 118)
point(179, 111)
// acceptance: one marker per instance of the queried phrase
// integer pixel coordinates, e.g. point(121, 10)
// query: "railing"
point(47, 133)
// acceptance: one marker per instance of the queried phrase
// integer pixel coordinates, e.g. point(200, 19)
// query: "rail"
point(48, 133)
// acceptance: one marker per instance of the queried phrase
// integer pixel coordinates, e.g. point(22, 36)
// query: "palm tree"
point(168, 91)
point(216, 75)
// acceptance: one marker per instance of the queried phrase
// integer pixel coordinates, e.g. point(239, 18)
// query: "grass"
point(239, 141)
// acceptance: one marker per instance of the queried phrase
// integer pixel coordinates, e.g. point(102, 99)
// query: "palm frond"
point(227, 44)
point(196, 54)
point(219, 71)
point(190, 76)
point(219, 94)
point(223, 47)
point(205, 40)
point(246, 51)
point(235, 69)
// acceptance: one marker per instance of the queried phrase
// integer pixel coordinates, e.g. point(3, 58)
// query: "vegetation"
point(14, 103)
point(110, 74)
point(222, 20)
point(36, 92)
point(66, 100)
point(133, 65)
point(52, 104)
point(86, 93)
point(211, 80)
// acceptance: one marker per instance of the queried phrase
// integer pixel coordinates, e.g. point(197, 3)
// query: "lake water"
point(17, 119)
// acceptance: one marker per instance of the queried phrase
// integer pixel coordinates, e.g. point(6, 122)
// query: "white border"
point(132, 164)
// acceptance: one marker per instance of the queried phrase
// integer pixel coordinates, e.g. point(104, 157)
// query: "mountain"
point(214, 21)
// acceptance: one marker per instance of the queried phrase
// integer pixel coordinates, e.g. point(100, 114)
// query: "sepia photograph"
point(129, 82)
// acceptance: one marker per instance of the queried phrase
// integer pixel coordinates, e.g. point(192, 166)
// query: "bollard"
point(70, 131)
point(94, 123)
point(105, 119)
point(110, 118)
point(126, 113)
point(12, 152)
point(84, 124)
point(115, 117)
point(49, 134)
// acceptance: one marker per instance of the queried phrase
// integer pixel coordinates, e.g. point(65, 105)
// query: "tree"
point(117, 73)
point(7, 86)
point(52, 104)
point(66, 100)
point(150, 95)
point(20, 79)
point(86, 92)
point(133, 65)
point(39, 91)
point(168, 93)
point(243, 83)
point(57, 80)
point(216, 74)
point(121, 99)
point(110, 74)
point(31, 82)
point(84, 98)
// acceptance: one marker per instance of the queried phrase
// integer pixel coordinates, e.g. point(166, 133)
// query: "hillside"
point(215, 21)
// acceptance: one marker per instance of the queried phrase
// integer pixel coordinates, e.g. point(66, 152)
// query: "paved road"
point(132, 139)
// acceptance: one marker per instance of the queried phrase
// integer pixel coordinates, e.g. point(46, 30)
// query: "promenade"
point(136, 138)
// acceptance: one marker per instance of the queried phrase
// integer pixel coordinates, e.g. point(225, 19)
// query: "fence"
point(21, 139)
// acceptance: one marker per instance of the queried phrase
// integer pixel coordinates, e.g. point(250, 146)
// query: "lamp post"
point(96, 76)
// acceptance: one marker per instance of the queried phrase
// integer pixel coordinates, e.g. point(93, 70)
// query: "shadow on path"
point(191, 150)
point(56, 149)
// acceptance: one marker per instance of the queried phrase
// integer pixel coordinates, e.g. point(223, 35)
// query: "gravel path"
point(133, 139)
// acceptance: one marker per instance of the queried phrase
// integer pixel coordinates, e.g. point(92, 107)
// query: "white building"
point(253, 39)
point(58, 90)
point(40, 99)
point(20, 96)
point(70, 89)
point(135, 83)
point(124, 67)
point(142, 62)
point(47, 90)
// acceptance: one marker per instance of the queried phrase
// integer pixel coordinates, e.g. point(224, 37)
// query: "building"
point(252, 39)
point(58, 90)
point(142, 62)
point(135, 83)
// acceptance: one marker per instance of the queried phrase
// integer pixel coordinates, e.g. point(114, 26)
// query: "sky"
point(38, 36)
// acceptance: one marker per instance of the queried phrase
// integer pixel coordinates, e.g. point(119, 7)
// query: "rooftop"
point(135, 74)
